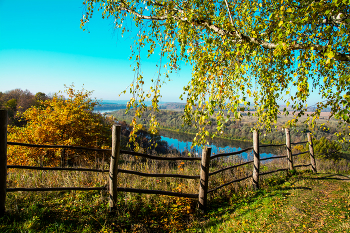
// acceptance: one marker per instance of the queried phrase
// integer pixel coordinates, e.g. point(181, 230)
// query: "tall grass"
point(136, 212)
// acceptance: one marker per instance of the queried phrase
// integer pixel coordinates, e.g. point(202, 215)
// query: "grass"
point(302, 203)
point(299, 201)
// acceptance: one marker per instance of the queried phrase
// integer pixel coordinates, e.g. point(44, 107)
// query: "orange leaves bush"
point(59, 121)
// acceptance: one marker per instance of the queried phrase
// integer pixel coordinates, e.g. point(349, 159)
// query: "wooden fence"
point(113, 169)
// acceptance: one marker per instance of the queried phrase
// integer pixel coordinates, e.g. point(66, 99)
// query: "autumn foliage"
point(59, 121)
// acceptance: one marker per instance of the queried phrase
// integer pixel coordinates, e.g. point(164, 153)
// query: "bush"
point(324, 148)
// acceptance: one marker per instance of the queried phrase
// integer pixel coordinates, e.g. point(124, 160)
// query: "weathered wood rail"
point(113, 170)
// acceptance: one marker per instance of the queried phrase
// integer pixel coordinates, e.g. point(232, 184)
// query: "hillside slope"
point(305, 203)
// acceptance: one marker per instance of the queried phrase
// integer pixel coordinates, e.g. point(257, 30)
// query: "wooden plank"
point(113, 168)
point(303, 165)
point(289, 150)
point(55, 189)
point(297, 143)
point(96, 149)
point(167, 193)
point(56, 168)
point(234, 181)
point(301, 153)
point(312, 155)
point(256, 166)
point(227, 168)
point(120, 189)
point(271, 145)
point(277, 157)
point(3, 159)
point(278, 170)
point(231, 153)
point(157, 174)
point(156, 157)
point(204, 179)
point(55, 146)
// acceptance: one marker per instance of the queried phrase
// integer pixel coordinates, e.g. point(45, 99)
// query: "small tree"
point(59, 121)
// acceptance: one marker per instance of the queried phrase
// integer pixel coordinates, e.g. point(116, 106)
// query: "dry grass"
point(34, 178)
point(78, 211)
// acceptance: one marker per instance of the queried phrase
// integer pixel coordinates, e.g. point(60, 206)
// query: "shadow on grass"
point(330, 177)
point(293, 188)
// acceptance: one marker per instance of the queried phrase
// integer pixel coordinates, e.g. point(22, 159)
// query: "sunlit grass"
point(232, 208)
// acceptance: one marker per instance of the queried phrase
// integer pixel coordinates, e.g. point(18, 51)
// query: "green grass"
point(298, 202)
point(304, 202)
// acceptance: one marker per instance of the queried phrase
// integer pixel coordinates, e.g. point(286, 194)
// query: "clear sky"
point(42, 48)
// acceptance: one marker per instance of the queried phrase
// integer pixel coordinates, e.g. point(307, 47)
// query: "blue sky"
point(42, 48)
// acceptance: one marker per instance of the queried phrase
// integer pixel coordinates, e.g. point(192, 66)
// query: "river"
point(183, 142)
point(103, 111)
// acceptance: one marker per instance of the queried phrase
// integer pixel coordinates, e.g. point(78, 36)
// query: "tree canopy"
point(246, 55)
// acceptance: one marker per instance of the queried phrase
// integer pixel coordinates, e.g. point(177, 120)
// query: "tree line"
point(18, 101)
point(241, 130)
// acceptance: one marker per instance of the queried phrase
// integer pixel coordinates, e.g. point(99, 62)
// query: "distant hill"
point(110, 107)
point(113, 102)
point(172, 105)
point(121, 104)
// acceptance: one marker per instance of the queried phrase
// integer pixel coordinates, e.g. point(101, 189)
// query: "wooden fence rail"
point(231, 167)
point(231, 153)
point(276, 157)
point(113, 171)
point(157, 174)
point(234, 181)
point(56, 168)
point(56, 146)
point(157, 157)
point(56, 189)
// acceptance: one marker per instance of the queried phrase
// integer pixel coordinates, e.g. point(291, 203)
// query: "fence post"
point(256, 159)
point(3, 159)
point(113, 168)
point(63, 157)
point(312, 155)
point(289, 150)
point(204, 178)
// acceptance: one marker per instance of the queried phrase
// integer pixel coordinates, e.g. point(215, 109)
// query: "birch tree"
point(245, 55)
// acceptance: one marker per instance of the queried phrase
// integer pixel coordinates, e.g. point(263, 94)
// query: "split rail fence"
point(113, 168)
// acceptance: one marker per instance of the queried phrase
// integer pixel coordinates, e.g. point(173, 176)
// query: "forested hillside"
point(235, 129)
point(18, 100)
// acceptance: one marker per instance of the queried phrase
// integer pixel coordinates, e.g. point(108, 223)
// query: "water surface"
point(183, 142)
